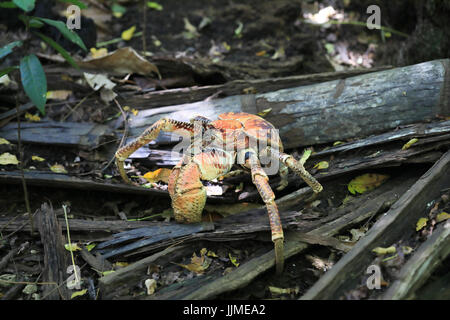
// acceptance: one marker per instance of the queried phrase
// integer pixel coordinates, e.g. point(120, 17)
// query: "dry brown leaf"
point(8, 158)
point(161, 174)
point(122, 61)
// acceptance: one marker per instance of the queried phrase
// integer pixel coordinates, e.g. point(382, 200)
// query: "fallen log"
point(333, 110)
point(168, 97)
point(397, 223)
point(70, 134)
point(422, 264)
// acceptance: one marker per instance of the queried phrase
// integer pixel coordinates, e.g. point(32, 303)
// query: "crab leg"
point(150, 134)
point(298, 168)
point(261, 181)
point(185, 186)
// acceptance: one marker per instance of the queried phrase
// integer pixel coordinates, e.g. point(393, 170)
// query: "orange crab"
point(233, 138)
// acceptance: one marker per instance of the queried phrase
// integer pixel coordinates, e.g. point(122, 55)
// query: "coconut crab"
point(233, 138)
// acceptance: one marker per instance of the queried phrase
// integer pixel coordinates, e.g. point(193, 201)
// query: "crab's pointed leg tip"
point(279, 255)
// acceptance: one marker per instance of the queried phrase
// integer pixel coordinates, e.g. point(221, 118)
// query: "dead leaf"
point(357, 234)
point(128, 34)
point(442, 216)
point(78, 293)
point(319, 263)
point(122, 61)
point(8, 158)
point(407, 250)
point(275, 291)
point(190, 31)
point(279, 54)
point(31, 117)
point(383, 251)
point(72, 247)
point(98, 81)
point(264, 113)
point(233, 260)
point(161, 174)
point(58, 94)
point(366, 182)
point(322, 165)
point(58, 168)
point(421, 223)
point(409, 143)
point(150, 284)
point(37, 158)
point(198, 264)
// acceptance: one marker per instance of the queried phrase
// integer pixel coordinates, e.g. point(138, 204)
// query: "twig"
point(144, 18)
point(77, 279)
point(125, 132)
point(24, 185)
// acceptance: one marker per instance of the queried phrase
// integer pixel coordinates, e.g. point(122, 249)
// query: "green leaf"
point(35, 23)
point(78, 293)
point(80, 4)
point(154, 5)
point(118, 8)
point(8, 5)
point(4, 51)
point(25, 5)
point(66, 32)
point(58, 48)
point(34, 81)
point(7, 70)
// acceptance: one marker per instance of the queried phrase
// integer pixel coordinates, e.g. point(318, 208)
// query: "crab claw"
point(188, 193)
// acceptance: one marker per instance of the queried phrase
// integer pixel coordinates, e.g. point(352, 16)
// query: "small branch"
point(24, 184)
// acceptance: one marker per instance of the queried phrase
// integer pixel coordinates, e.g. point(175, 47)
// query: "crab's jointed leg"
point(150, 134)
point(185, 187)
point(284, 176)
point(261, 181)
point(298, 168)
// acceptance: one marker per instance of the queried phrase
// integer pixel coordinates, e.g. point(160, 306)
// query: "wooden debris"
point(73, 134)
point(235, 87)
point(110, 282)
point(98, 262)
point(55, 256)
point(316, 114)
point(398, 222)
point(421, 265)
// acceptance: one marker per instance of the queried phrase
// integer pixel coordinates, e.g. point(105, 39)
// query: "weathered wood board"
point(74, 134)
point(333, 110)
point(397, 223)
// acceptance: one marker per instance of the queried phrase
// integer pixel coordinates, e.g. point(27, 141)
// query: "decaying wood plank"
point(314, 114)
point(72, 134)
point(414, 131)
point(398, 222)
point(130, 272)
point(55, 256)
point(98, 262)
point(51, 179)
point(421, 265)
point(168, 97)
